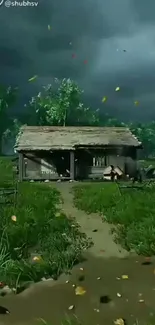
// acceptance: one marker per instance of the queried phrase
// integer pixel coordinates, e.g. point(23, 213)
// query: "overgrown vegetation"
point(61, 103)
point(37, 240)
point(132, 211)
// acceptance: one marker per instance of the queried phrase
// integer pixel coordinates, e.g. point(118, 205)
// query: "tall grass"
point(40, 229)
point(132, 211)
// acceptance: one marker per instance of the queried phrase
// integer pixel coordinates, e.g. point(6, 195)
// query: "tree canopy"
point(60, 104)
point(8, 97)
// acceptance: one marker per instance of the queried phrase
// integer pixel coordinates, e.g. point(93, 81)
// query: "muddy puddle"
point(132, 298)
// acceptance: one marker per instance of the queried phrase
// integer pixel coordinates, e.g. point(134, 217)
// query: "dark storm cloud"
point(97, 31)
point(144, 11)
point(11, 57)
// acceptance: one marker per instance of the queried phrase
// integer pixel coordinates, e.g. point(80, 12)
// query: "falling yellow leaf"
point(119, 321)
point(14, 218)
point(141, 300)
point(33, 78)
point(117, 89)
point(71, 307)
point(49, 27)
point(124, 277)
point(104, 99)
point(57, 215)
point(36, 258)
point(80, 291)
point(81, 268)
point(136, 102)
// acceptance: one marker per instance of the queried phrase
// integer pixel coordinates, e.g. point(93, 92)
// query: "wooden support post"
point(20, 167)
point(72, 165)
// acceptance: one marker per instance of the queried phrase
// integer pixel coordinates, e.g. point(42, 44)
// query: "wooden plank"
point(44, 179)
point(20, 167)
point(8, 196)
point(72, 165)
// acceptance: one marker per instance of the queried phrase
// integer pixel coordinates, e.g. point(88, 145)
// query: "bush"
point(132, 211)
point(40, 229)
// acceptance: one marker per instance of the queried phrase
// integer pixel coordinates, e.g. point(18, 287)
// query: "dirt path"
point(131, 299)
point(50, 300)
point(101, 238)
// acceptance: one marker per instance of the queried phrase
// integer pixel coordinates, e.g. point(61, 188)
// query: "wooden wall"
point(45, 165)
point(93, 162)
point(39, 166)
point(88, 163)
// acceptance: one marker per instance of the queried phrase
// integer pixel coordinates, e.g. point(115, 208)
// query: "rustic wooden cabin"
point(52, 153)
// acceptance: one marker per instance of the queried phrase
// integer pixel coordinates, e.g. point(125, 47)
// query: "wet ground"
point(52, 299)
point(106, 299)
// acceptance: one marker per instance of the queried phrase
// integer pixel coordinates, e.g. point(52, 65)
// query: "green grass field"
point(40, 241)
point(132, 211)
point(41, 230)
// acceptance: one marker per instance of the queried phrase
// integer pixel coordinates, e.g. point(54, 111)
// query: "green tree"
point(60, 104)
point(114, 122)
point(9, 136)
point(13, 130)
point(7, 100)
point(146, 134)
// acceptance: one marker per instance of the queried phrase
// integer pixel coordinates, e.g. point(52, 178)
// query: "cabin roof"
point(31, 138)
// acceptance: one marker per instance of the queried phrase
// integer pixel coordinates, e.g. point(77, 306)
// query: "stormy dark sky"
point(94, 30)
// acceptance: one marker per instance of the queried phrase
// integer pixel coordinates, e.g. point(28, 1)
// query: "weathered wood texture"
point(70, 138)
point(78, 164)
